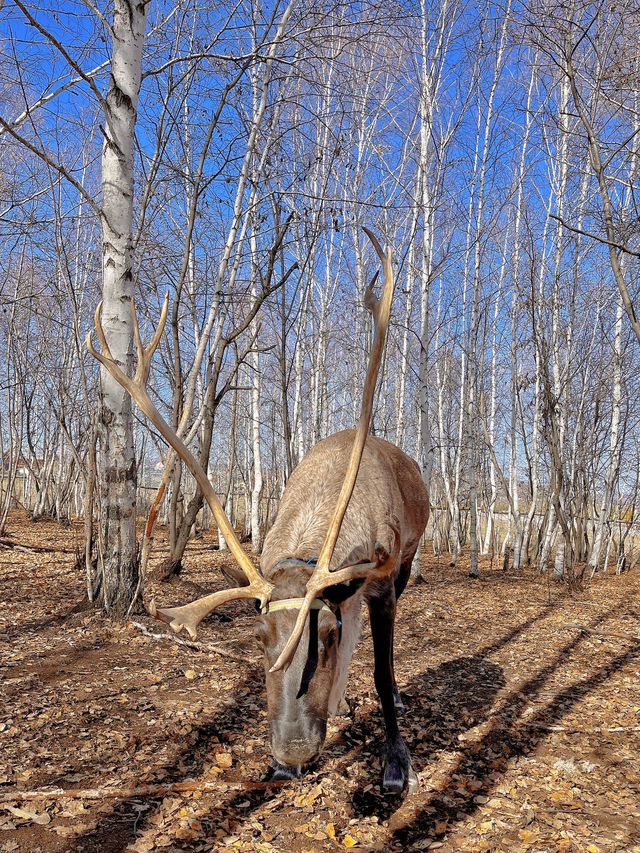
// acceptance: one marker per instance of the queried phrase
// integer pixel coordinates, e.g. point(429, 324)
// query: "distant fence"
point(502, 521)
point(24, 495)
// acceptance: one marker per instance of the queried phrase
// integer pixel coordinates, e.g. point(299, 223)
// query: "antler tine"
point(370, 301)
point(189, 616)
point(145, 354)
point(258, 587)
point(141, 375)
point(376, 245)
point(322, 577)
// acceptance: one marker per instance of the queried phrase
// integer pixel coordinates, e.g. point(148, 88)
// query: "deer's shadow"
point(441, 705)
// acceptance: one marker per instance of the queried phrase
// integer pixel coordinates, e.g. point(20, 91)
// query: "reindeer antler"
point(190, 615)
point(322, 576)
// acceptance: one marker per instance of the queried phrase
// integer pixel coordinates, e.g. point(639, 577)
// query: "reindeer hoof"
point(281, 772)
point(398, 773)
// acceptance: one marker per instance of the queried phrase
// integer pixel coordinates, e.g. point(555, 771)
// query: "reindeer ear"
point(342, 591)
point(235, 575)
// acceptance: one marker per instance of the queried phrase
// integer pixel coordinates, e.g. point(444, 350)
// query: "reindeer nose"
point(294, 747)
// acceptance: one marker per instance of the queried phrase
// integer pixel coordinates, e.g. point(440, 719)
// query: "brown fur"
point(389, 505)
point(389, 494)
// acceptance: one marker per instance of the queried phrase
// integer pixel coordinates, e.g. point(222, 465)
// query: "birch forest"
point(229, 155)
point(231, 232)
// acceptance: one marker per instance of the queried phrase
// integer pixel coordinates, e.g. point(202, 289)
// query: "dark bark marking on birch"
point(116, 474)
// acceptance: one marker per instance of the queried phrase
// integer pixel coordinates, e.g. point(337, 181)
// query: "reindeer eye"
point(328, 637)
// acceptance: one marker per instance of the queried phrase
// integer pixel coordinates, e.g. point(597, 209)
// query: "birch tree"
point(115, 583)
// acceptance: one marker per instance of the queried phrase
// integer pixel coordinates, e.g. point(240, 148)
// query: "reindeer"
point(347, 530)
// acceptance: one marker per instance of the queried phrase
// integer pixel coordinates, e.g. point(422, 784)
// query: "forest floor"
point(523, 720)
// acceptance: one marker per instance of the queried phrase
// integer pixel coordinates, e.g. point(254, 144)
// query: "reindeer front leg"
point(398, 773)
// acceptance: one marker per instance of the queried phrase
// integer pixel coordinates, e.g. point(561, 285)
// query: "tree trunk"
point(119, 559)
point(256, 419)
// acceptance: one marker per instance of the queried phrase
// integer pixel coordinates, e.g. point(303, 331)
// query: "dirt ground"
point(523, 720)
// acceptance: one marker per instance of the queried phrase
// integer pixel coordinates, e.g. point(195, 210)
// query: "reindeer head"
point(298, 696)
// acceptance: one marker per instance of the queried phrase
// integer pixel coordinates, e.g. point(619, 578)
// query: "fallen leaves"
point(527, 836)
point(524, 737)
point(224, 759)
point(41, 818)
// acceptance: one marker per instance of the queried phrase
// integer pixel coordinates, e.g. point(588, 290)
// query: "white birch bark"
point(488, 543)
point(431, 66)
point(256, 489)
point(119, 558)
point(546, 534)
point(404, 357)
point(460, 444)
point(520, 550)
point(557, 329)
point(614, 444)
point(472, 375)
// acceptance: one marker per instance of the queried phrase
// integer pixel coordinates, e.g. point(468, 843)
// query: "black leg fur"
point(397, 765)
point(400, 585)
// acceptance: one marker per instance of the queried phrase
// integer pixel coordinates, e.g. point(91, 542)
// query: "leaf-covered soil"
point(523, 720)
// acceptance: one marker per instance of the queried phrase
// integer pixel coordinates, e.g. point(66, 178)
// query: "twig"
point(595, 730)
point(39, 549)
point(157, 790)
point(619, 246)
point(190, 644)
point(576, 627)
point(211, 648)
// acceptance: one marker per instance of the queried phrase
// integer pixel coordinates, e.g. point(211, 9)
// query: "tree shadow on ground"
point(11, 633)
point(507, 735)
point(464, 688)
point(444, 704)
point(119, 828)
